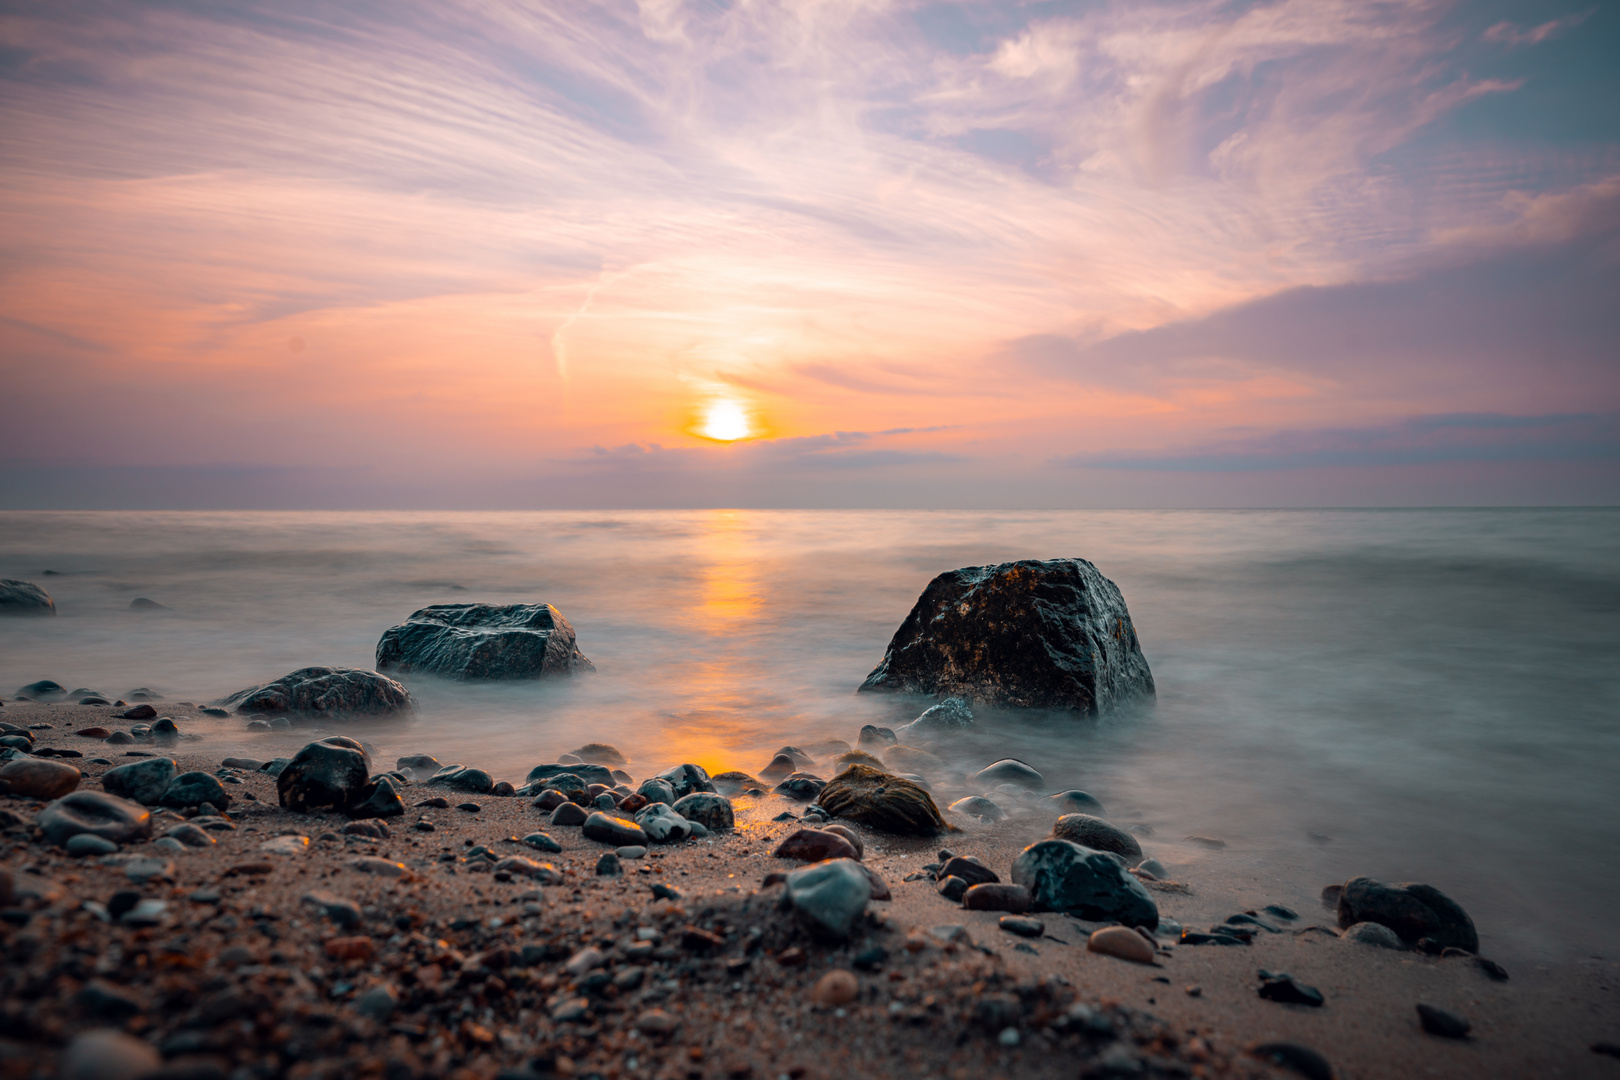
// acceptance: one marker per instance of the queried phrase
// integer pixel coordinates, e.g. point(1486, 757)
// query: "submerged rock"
point(857, 757)
point(801, 786)
point(780, 767)
point(329, 774)
point(730, 783)
point(872, 735)
point(882, 801)
point(24, 598)
point(708, 809)
point(585, 772)
point(483, 642)
point(1076, 802)
point(1412, 910)
point(1371, 933)
point(685, 779)
point(1063, 876)
point(1099, 835)
point(601, 754)
point(950, 717)
point(828, 896)
point(43, 690)
point(909, 759)
point(978, 806)
point(462, 778)
point(97, 813)
point(1029, 634)
point(325, 691)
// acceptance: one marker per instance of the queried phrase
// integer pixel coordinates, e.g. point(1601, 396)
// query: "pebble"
point(169, 844)
point(569, 814)
point(1154, 867)
point(952, 889)
point(1008, 1037)
point(39, 778)
point(345, 913)
point(801, 786)
point(1122, 943)
point(662, 825)
point(1076, 802)
point(191, 836)
point(1437, 1021)
point(1412, 910)
point(90, 844)
point(462, 778)
point(543, 842)
point(146, 912)
point(107, 1055)
point(872, 735)
point(969, 869)
point(1283, 987)
point(683, 779)
point(829, 896)
point(613, 830)
point(836, 987)
point(708, 809)
point(1022, 925)
point(285, 845)
point(1206, 841)
point(656, 1022)
point(1295, 1058)
point(657, 790)
point(93, 733)
point(1371, 933)
point(96, 812)
point(469, 807)
point(814, 845)
point(1277, 911)
point(437, 803)
point(632, 851)
point(609, 865)
point(351, 948)
point(378, 1003)
point(146, 869)
point(544, 873)
point(375, 830)
point(997, 897)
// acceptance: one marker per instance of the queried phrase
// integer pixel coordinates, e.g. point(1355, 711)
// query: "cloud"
point(1457, 437)
point(1512, 34)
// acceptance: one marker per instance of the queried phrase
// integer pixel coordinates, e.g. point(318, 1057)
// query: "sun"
point(726, 421)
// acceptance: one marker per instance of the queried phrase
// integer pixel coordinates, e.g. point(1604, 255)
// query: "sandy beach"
point(239, 975)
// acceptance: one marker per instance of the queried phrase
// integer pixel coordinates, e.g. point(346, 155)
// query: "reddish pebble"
point(350, 948)
point(93, 733)
point(837, 987)
point(792, 957)
point(814, 845)
point(1121, 942)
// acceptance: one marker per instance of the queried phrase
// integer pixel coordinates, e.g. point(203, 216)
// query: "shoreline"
point(733, 1007)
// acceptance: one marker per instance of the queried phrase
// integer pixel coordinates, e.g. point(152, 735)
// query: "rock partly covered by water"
point(1413, 911)
point(950, 717)
point(1099, 835)
point(325, 691)
point(1053, 634)
point(1063, 876)
point(329, 774)
point(483, 642)
point(24, 598)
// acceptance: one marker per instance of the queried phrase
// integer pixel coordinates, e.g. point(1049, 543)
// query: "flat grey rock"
point(483, 642)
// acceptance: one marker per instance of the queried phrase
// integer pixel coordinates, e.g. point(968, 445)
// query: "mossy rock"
point(882, 801)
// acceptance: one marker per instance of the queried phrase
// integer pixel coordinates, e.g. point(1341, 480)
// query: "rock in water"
point(949, 717)
point(829, 896)
point(43, 690)
point(882, 801)
point(1371, 933)
point(24, 598)
point(979, 807)
point(872, 735)
point(325, 691)
point(1413, 911)
point(483, 642)
point(1099, 835)
point(97, 813)
point(324, 775)
point(1063, 876)
point(1076, 802)
point(542, 776)
point(39, 778)
point(1031, 634)
point(1011, 771)
point(685, 779)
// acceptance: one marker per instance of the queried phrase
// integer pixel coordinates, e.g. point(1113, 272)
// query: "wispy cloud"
point(1513, 34)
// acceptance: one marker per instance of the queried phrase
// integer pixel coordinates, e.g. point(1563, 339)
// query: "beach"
point(239, 975)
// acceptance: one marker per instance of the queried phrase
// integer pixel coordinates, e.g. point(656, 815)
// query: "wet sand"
point(240, 977)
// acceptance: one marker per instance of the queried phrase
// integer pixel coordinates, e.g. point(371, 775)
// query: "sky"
point(829, 253)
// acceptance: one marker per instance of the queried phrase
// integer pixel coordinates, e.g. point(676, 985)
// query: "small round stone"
point(90, 844)
point(1121, 942)
point(837, 987)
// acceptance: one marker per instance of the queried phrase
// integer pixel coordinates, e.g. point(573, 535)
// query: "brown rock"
point(350, 948)
point(1121, 942)
point(39, 778)
point(837, 987)
point(696, 939)
point(93, 733)
point(969, 870)
point(629, 805)
point(791, 957)
point(996, 897)
point(882, 801)
point(848, 834)
point(814, 845)
point(1098, 835)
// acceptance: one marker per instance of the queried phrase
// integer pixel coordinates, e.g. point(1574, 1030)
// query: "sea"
point(1414, 695)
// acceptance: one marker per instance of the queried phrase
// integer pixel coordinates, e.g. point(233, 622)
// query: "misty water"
point(1413, 695)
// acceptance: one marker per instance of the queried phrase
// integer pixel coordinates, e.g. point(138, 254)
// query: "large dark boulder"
point(24, 598)
point(1050, 635)
point(1413, 911)
point(482, 642)
point(325, 691)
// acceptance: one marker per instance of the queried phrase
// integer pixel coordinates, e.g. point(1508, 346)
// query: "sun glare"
point(726, 422)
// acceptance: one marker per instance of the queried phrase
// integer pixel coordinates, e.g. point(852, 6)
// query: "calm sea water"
point(1433, 694)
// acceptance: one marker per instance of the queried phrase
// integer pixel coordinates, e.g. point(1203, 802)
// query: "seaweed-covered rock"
point(329, 774)
point(882, 801)
point(325, 691)
point(142, 781)
point(1099, 835)
point(1063, 876)
point(685, 779)
point(1413, 911)
point(24, 598)
point(708, 809)
point(483, 642)
point(97, 813)
point(1030, 634)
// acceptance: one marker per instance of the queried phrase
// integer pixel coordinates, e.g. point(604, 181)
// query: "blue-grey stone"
point(483, 642)
point(829, 896)
point(1063, 876)
point(142, 781)
point(707, 809)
